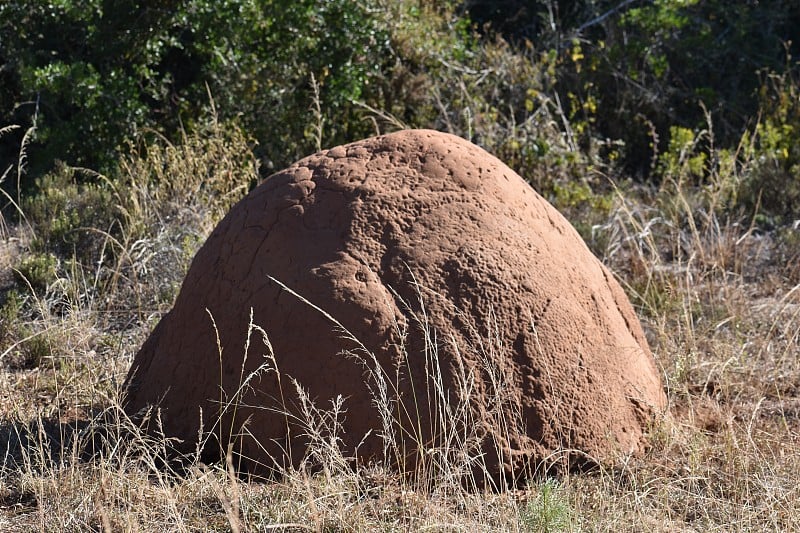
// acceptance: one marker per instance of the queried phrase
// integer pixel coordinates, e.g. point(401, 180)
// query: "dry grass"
point(720, 303)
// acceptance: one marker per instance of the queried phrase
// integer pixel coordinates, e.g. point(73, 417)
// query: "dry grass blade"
point(22, 160)
point(8, 129)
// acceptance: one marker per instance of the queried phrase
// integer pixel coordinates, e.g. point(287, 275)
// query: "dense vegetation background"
point(623, 86)
point(667, 131)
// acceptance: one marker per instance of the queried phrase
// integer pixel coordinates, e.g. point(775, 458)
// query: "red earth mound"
point(425, 275)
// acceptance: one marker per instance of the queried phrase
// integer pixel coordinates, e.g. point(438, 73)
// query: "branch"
point(604, 16)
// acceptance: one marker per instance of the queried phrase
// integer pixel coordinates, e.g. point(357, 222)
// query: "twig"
point(604, 16)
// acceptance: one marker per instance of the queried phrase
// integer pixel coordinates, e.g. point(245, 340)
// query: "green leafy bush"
point(38, 271)
point(69, 217)
point(663, 64)
point(772, 186)
point(502, 99)
point(92, 73)
point(645, 68)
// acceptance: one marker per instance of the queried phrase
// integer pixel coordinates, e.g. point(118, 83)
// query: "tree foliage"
point(92, 73)
point(550, 86)
point(648, 66)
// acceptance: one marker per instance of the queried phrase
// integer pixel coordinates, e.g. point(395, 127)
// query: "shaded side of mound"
point(433, 277)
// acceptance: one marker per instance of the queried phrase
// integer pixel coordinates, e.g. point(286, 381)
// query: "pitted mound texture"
point(417, 243)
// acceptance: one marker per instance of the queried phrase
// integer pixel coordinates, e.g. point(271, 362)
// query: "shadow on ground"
point(43, 443)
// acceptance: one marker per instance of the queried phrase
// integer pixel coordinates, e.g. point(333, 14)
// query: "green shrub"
point(69, 217)
point(92, 73)
point(38, 271)
point(10, 313)
point(548, 512)
point(645, 68)
point(772, 185)
point(501, 98)
point(33, 351)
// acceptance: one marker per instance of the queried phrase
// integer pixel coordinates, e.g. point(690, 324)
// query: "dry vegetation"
point(720, 302)
point(87, 267)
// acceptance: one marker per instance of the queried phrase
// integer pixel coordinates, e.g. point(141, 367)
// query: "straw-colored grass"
point(719, 301)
